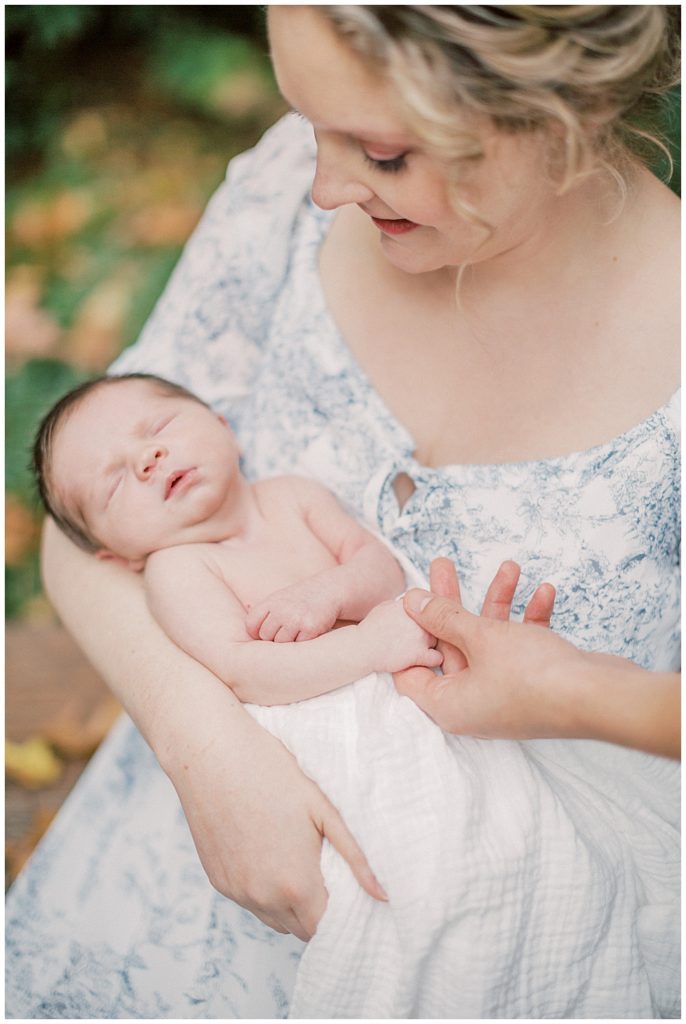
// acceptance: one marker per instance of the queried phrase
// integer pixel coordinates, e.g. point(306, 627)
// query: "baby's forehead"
point(116, 408)
point(131, 397)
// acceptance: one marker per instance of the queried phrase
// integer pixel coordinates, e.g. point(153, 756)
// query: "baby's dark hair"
point(43, 448)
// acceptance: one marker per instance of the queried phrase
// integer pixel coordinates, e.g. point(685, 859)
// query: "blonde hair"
point(593, 71)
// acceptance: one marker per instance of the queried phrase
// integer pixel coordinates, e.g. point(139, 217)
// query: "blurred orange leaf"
point(96, 336)
point(168, 224)
point(38, 223)
point(75, 738)
point(30, 332)
point(21, 530)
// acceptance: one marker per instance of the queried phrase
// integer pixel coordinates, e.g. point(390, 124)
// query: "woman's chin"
point(409, 260)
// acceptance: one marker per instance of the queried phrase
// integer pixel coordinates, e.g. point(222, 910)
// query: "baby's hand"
point(397, 641)
point(300, 612)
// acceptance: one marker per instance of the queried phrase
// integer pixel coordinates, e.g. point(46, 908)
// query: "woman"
point(495, 395)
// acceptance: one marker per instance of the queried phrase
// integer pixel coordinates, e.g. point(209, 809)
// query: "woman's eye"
point(394, 164)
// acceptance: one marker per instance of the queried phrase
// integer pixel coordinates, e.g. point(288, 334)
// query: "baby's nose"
point(149, 459)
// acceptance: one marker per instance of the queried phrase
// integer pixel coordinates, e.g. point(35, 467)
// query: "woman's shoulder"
point(276, 173)
point(212, 319)
point(657, 235)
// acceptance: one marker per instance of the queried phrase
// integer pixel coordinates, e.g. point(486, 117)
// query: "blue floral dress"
point(114, 917)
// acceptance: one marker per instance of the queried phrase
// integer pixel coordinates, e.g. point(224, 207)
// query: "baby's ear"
point(134, 564)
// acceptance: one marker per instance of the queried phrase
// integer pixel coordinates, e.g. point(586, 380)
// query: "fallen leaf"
point(168, 224)
point(30, 332)
point(74, 738)
point(96, 335)
point(32, 763)
point(240, 94)
point(21, 530)
point(86, 135)
point(38, 223)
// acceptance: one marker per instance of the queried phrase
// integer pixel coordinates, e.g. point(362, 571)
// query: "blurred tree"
point(62, 56)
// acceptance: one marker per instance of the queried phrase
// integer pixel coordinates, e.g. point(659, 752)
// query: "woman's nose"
point(337, 183)
point(148, 460)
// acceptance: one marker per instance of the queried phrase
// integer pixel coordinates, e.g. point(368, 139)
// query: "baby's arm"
point(196, 608)
point(366, 574)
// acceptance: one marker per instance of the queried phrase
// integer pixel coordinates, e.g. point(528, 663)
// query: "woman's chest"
point(513, 381)
point(602, 526)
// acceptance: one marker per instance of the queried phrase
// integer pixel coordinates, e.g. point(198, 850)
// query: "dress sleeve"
point(210, 325)
point(673, 414)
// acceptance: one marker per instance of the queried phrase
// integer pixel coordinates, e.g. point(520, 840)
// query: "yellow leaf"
point(32, 763)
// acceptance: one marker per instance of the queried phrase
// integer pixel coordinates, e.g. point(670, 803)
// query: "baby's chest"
point(278, 558)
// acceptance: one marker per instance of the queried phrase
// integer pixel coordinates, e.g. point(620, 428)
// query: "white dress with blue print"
point(114, 918)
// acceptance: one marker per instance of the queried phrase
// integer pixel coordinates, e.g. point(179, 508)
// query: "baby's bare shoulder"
point(294, 490)
point(170, 561)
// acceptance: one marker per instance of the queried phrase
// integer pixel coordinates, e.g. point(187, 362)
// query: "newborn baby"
point(139, 470)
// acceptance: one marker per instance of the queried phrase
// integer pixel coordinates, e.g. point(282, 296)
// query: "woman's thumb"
point(440, 616)
point(342, 839)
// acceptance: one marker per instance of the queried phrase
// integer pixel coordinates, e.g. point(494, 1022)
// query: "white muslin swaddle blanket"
point(524, 879)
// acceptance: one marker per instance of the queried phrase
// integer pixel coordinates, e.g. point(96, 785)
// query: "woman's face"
point(368, 155)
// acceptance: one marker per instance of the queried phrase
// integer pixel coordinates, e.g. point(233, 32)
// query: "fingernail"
point(417, 600)
point(381, 890)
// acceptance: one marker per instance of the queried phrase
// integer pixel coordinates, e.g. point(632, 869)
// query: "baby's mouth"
point(175, 480)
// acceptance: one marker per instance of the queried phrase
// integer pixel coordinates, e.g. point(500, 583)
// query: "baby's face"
point(145, 470)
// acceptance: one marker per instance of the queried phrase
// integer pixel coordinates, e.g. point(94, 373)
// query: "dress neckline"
point(322, 220)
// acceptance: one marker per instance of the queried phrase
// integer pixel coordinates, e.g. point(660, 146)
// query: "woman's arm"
point(256, 820)
point(510, 679)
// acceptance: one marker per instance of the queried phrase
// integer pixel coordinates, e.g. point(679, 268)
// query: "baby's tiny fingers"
point(269, 628)
point(254, 619)
point(431, 659)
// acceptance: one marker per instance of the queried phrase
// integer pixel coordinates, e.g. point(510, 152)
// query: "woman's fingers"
point(417, 683)
point(440, 616)
point(305, 916)
point(498, 601)
point(445, 583)
point(540, 608)
point(332, 826)
point(443, 579)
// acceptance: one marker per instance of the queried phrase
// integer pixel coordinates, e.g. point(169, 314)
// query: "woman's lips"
point(400, 226)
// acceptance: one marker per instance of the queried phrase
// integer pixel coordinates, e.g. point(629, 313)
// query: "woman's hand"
point(514, 680)
point(476, 697)
point(258, 823)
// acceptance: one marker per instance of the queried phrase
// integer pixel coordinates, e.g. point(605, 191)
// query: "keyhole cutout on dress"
point(404, 487)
